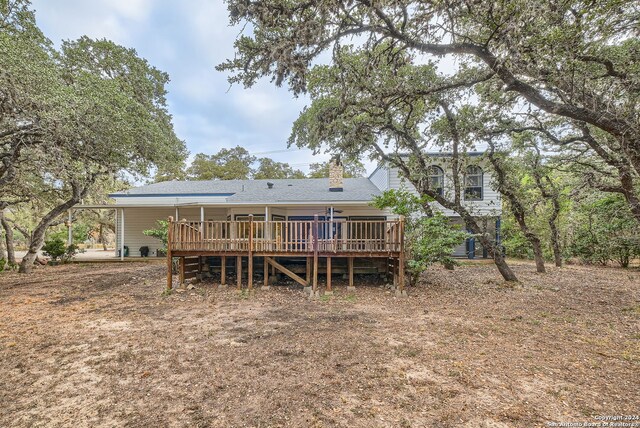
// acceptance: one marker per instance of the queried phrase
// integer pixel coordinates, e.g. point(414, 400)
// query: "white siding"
point(490, 205)
point(380, 178)
point(310, 211)
point(136, 220)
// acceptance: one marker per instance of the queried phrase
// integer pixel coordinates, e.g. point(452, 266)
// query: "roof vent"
point(269, 185)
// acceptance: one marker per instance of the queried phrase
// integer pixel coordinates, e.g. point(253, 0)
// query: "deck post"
point(328, 292)
point(266, 275)
point(394, 264)
point(239, 271)
point(400, 290)
point(314, 288)
point(169, 258)
point(181, 271)
point(223, 272)
point(350, 287)
point(250, 260)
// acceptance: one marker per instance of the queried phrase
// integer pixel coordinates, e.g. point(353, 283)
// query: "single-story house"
point(273, 218)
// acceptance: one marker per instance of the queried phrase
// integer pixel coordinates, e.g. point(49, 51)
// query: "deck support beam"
point(239, 271)
point(400, 291)
point(314, 236)
point(265, 285)
point(223, 272)
point(169, 258)
point(250, 258)
point(350, 287)
point(328, 291)
point(182, 271)
point(287, 272)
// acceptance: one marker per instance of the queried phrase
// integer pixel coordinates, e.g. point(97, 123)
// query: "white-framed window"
point(436, 178)
point(473, 179)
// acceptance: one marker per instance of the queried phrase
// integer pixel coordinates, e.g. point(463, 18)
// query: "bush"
point(161, 232)
point(606, 232)
point(3, 263)
point(54, 248)
point(428, 240)
point(57, 250)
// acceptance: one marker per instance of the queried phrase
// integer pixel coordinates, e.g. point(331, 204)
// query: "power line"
point(279, 151)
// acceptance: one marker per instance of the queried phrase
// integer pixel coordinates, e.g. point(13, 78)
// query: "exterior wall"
point(490, 205)
point(310, 211)
point(135, 221)
point(138, 219)
point(380, 178)
point(463, 249)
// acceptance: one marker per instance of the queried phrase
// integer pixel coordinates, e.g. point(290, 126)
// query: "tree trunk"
point(497, 256)
point(537, 253)
point(37, 237)
point(11, 253)
point(506, 187)
point(555, 235)
point(102, 239)
point(3, 250)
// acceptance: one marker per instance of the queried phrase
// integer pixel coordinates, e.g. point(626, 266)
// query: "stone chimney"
point(336, 175)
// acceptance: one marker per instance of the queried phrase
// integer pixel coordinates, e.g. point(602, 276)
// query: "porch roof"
point(243, 192)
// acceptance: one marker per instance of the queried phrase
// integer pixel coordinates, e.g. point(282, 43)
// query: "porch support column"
point(267, 228)
point(239, 271)
point(117, 220)
point(70, 231)
point(121, 234)
point(177, 214)
point(202, 226)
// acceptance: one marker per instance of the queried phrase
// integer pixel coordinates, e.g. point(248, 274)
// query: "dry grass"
point(99, 345)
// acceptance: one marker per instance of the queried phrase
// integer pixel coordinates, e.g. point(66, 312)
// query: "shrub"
point(428, 239)
point(57, 250)
point(161, 232)
point(54, 248)
point(606, 232)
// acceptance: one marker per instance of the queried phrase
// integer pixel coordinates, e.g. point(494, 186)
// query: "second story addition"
point(477, 192)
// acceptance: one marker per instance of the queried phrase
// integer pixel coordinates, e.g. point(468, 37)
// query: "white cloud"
point(111, 19)
point(137, 10)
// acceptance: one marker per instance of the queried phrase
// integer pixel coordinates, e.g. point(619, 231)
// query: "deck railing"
point(290, 237)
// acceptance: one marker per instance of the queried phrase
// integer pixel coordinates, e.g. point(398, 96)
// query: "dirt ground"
point(91, 345)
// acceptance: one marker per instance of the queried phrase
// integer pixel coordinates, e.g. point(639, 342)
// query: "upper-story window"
point(473, 183)
point(436, 178)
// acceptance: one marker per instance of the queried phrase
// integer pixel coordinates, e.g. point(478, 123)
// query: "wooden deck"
point(313, 239)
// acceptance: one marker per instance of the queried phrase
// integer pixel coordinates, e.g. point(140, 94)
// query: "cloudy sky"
point(187, 40)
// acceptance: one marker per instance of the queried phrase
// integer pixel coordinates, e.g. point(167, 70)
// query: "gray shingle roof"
point(250, 191)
